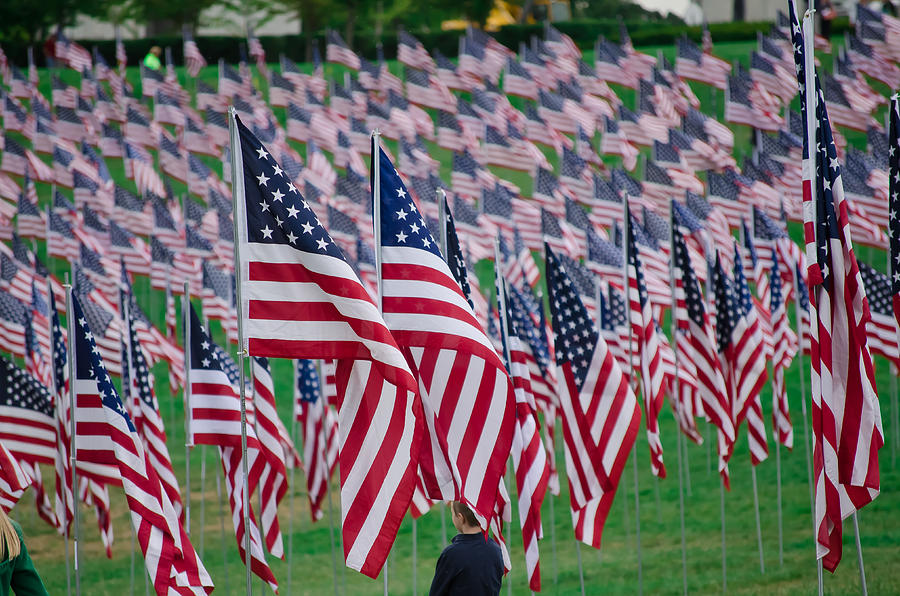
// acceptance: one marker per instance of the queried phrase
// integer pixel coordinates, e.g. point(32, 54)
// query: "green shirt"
point(20, 574)
point(152, 62)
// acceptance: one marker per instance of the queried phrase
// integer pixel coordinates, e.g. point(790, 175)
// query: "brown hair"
point(465, 512)
point(10, 547)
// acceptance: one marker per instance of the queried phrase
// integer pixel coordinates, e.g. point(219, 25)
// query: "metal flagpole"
point(203, 500)
point(675, 388)
point(778, 499)
point(415, 547)
point(290, 558)
point(859, 557)
point(580, 567)
point(762, 564)
point(376, 220)
point(70, 336)
point(188, 431)
point(442, 219)
point(553, 542)
point(129, 399)
point(237, 193)
point(219, 495)
point(626, 227)
point(811, 127)
point(724, 551)
point(331, 536)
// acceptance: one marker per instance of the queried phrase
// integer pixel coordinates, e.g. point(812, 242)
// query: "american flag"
point(781, 360)
point(319, 426)
point(256, 50)
point(847, 429)
point(168, 554)
point(601, 416)
point(274, 442)
point(451, 466)
point(70, 53)
point(894, 203)
point(216, 420)
point(645, 334)
point(64, 501)
point(13, 480)
point(529, 456)
point(336, 51)
point(696, 344)
point(412, 53)
point(193, 59)
point(284, 247)
point(13, 319)
point(746, 363)
point(145, 414)
point(27, 425)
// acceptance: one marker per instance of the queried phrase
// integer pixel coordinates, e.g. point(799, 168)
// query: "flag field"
point(613, 569)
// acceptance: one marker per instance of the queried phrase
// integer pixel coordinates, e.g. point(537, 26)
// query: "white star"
point(291, 238)
point(307, 228)
point(262, 178)
point(278, 221)
point(205, 345)
point(205, 362)
point(414, 228)
point(401, 237)
point(292, 211)
point(292, 188)
point(264, 205)
point(401, 193)
point(278, 170)
point(262, 153)
point(402, 214)
point(426, 242)
point(267, 232)
point(322, 244)
point(277, 195)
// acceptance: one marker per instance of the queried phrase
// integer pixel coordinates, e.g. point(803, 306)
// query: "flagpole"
point(626, 227)
point(237, 193)
point(57, 396)
point(70, 338)
point(222, 514)
point(124, 304)
point(442, 219)
point(188, 431)
point(675, 387)
point(376, 220)
point(293, 490)
point(811, 127)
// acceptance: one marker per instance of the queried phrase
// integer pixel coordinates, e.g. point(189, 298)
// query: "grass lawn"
point(613, 569)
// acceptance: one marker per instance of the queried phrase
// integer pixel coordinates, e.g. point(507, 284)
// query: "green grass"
point(611, 570)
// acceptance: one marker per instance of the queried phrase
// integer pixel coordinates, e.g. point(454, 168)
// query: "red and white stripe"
point(13, 479)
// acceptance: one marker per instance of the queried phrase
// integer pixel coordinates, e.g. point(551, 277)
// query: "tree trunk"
point(350, 25)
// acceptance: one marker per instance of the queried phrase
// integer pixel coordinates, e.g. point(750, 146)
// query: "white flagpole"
point(626, 226)
point(129, 399)
point(442, 219)
point(188, 430)
point(675, 387)
point(222, 515)
point(293, 490)
point(811, 127)
point(70, 336)
point(376, 220)
point(57, 395)
point(237, 193)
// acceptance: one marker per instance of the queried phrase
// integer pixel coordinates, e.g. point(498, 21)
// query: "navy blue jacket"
point(472, 565)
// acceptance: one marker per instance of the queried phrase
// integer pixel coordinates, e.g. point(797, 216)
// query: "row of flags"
point(390, 328)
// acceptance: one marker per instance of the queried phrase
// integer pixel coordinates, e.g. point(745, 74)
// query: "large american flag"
point(168, 554)
point(601, 416)
point(644, 332)
point(302, 299)
point(13, 479)
point(319, 426)
point(847, 429)
point(429, 316)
